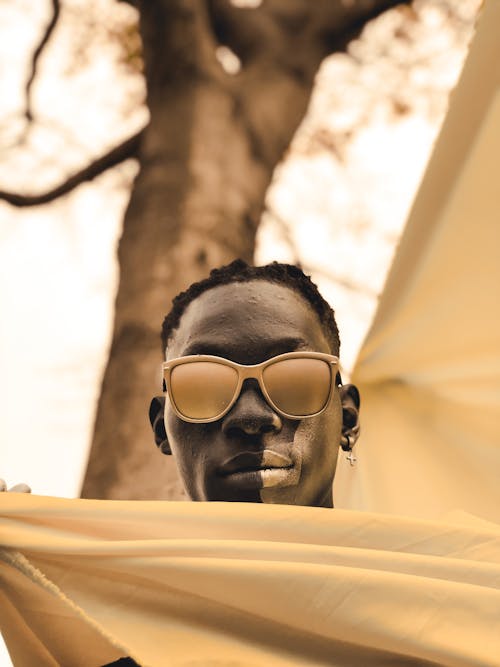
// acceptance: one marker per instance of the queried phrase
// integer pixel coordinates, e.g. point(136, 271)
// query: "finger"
point(20, 488)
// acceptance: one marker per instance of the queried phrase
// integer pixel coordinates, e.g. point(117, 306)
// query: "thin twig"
point(56, 9)
point(284, 228)
point(127, 149)
point(286, 233)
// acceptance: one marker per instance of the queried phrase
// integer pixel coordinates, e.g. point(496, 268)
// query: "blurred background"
point(143, 145)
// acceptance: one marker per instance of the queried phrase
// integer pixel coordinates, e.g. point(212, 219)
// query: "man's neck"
point(327, 500)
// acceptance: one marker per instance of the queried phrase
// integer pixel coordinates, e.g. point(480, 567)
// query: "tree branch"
point(368, 10)
point(56, 9)
point(120, 153)
point(281, 32)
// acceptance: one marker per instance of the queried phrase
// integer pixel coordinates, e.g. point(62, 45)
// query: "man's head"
point(255, 452)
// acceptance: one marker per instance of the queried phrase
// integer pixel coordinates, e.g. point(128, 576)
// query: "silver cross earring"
point(347, 444)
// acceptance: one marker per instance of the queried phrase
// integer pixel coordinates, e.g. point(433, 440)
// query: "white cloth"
point(429, 370)
point(242, 584)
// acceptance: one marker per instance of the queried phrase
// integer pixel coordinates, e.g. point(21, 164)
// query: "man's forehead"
point(257, 312)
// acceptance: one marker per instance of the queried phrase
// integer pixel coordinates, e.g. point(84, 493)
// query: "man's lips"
point(253, 461)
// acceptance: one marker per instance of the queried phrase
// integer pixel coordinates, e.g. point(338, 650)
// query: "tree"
point(207, 158)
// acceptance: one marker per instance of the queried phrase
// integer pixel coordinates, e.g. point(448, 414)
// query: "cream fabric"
point(429, 371)
point(241, 584)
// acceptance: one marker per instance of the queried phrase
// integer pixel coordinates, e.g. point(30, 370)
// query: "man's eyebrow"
point(291, 344)
point(271, 348)
point(200, 347)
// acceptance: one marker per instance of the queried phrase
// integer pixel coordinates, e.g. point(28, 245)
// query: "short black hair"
point(240, 272)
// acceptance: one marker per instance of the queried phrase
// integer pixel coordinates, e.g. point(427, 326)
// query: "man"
point(272, 437)
point(240, 432)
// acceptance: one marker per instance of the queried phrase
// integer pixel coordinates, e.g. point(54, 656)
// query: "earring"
point(347, 443)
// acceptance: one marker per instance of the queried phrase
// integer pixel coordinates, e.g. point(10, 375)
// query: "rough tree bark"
point(207, 158)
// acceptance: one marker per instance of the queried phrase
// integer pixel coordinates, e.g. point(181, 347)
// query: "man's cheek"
point(182, 444)
point(316, 442)
point(306, 441)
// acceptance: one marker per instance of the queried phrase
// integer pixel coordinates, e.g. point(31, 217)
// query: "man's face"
point(249, 323)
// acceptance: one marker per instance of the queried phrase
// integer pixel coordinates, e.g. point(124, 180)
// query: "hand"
point(17, 488)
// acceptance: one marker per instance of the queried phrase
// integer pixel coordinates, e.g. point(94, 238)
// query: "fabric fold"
point(429, 369)
point(175, 583)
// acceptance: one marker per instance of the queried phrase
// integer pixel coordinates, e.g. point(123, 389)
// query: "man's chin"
point(230, 495)
point(296, 495)
point(280, 495)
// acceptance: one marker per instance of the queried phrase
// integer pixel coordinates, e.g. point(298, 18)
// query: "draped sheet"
point(241, 584)
point(429, 370)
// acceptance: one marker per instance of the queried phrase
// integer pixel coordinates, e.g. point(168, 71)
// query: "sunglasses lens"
point(202, 389)
point(298, 387)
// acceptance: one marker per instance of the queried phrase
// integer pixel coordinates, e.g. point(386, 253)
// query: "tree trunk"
point(207, 158)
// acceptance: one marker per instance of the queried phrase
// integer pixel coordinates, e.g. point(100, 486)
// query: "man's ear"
point(156, 411)
point(349, 397)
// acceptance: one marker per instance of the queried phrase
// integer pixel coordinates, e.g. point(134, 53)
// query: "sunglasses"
point(203, 388)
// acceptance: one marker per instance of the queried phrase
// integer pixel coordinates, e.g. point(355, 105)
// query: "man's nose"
point(251, 415)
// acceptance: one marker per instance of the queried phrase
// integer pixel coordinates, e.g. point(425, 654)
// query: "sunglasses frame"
point(245, 372)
